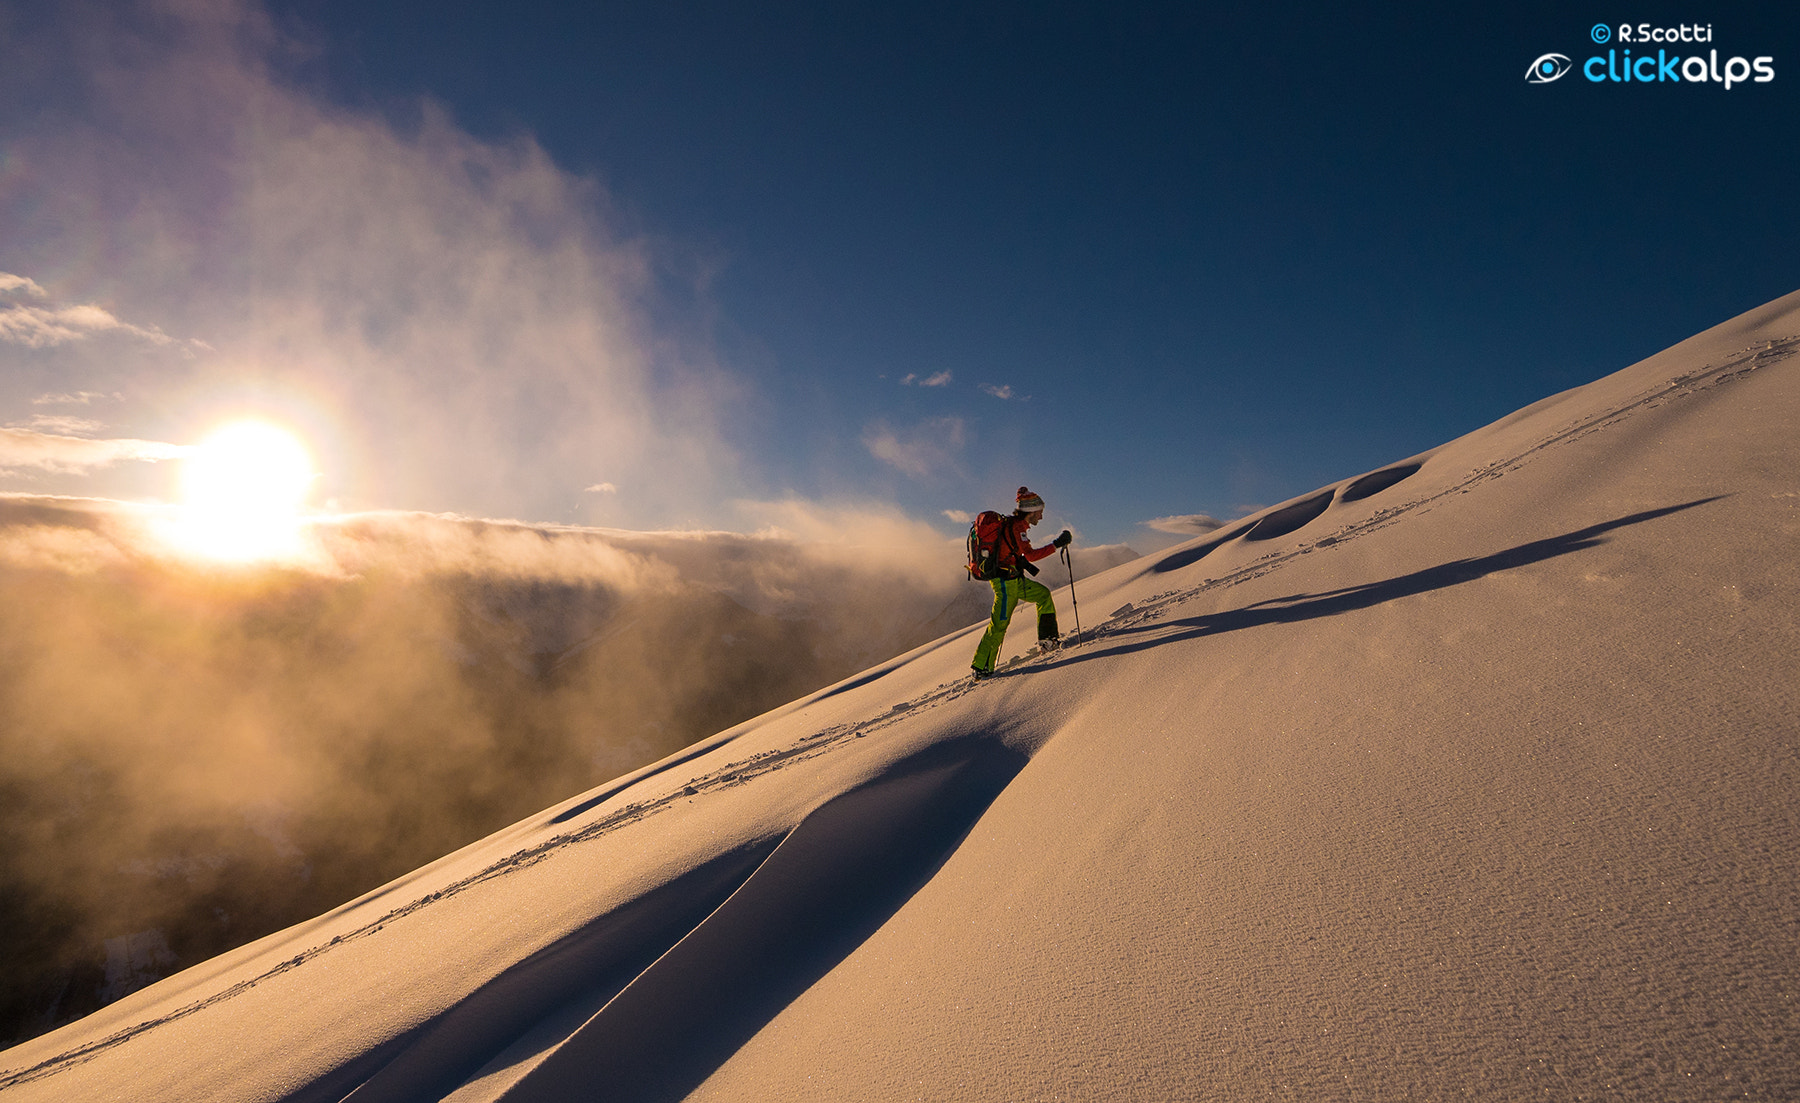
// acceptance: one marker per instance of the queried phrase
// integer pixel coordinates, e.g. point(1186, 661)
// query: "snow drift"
point(1475, 774)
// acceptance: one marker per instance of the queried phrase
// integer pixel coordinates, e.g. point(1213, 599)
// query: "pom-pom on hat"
point(1029, 502)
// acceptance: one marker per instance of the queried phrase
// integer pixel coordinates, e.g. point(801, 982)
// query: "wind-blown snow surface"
point(1474, 775)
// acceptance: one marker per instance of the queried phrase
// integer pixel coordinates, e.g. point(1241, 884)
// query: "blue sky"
point(1150, 259)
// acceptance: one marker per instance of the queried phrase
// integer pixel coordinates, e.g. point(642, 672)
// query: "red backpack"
point(993, 548)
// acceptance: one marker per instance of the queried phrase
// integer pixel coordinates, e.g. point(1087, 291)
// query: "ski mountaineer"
point(1015, 555)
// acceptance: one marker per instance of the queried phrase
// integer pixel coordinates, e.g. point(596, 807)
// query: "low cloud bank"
point(196, 755)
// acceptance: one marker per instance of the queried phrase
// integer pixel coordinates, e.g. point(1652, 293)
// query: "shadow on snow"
point(1303, 607)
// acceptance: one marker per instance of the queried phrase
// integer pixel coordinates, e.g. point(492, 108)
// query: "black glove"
point(1063, 539)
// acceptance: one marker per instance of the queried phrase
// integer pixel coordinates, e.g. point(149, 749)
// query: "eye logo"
point(1548, 68)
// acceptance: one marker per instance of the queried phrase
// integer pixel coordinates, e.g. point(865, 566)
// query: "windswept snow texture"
point(1472, 775)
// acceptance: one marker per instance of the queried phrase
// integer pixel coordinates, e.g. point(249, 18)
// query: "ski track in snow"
point(1161, 605)
point(1133, 617)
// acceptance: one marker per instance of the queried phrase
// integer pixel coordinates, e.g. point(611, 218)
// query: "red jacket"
point(1015, 527)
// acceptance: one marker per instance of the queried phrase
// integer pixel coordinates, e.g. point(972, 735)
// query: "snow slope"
point(1472, 775)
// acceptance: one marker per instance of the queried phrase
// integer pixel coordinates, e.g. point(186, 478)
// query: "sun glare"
point(242, 491)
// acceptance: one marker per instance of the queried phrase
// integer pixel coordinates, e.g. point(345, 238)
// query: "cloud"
point(28, 448)
point(858, 537)
point(42, 327)
point(62, 423)
point(79, 398)
point(929, 448)
point(422, 544)
point(799, 552)
point(960, 516)
point(939, 379)
point(10, 283)
point(35, 326)
point(1186, 524)
point(600, 488)
point(1003, 391)
point(462, 317)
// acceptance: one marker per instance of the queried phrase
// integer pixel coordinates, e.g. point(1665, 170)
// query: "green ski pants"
point(1008, 593)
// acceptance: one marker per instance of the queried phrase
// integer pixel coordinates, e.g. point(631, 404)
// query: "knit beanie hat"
point(1029, 502)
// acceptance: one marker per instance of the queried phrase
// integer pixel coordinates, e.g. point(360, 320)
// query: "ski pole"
point(1069, 562)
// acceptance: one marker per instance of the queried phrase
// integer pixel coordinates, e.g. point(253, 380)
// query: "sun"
point(242, 491)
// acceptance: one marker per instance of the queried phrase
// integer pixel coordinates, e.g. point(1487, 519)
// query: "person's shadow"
point(1302, 607)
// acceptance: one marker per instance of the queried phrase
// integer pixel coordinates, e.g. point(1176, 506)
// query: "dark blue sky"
point(1219, 257)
